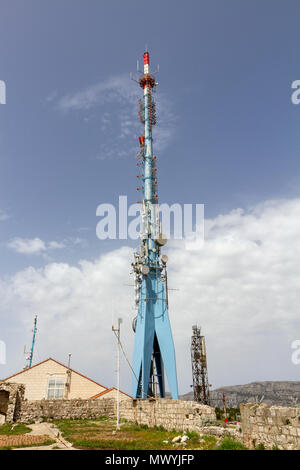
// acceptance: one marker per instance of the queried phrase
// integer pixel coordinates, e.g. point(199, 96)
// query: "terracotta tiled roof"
point(106, 391)
point(51, 359)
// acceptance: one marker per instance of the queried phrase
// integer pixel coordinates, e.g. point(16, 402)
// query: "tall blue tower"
point(154, 353)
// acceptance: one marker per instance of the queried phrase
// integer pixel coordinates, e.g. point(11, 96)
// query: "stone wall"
point(171, 414)
point(272, 426)
point(65, 409)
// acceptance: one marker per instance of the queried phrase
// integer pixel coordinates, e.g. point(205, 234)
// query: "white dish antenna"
point(145, 269)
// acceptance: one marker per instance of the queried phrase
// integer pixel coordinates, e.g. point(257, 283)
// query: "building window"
point(56, 388)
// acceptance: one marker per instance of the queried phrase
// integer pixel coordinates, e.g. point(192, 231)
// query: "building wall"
point(36, 378)
point(272, 426)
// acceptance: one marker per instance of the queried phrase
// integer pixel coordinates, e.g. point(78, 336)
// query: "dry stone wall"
point(65, 409)
point(272, 426)
point(171, 414)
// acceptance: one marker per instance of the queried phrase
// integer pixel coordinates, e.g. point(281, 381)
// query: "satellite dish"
point(145, 269)
point(161, 240)
point(164, 259)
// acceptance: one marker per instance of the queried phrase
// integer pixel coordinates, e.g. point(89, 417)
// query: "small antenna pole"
point(30, 357)
point(68, 384)
point(117, 332)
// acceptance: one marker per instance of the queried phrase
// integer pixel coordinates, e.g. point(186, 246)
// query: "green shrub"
point(260, 447)
point(231, 444)
point(144, 426)
point(159, 428)
point(193, 435)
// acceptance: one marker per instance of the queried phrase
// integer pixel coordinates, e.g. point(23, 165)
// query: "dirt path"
point(48, 429)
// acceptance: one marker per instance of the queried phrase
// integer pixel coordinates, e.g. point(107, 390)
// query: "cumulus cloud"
point(242, 288)
point(75, 306)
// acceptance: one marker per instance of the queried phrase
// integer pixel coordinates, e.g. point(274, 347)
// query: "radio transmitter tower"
point(153, 347)
point(199, 367)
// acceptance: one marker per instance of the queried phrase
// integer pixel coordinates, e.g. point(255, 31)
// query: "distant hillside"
point(271, 393)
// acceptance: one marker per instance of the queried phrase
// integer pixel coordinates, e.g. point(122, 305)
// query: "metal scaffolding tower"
point(199, 367)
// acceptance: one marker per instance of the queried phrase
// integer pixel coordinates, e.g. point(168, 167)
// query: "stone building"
point(11, 397)
point(52, 380)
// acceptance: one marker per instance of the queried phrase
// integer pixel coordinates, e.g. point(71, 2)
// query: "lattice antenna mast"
point(29, 359)
point(199, 367)
point(154, 347)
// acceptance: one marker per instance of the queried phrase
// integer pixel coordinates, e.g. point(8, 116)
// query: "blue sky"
point(227, 134)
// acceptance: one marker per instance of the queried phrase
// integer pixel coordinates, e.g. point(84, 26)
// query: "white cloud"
point(118, 88)
point(27, 246)
point(3, 215)
point(37, 246)
point(56, 245)
point(118, 99)
point(74, 306)
point(243, 288)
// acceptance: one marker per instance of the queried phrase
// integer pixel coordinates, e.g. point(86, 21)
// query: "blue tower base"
point(153, 341)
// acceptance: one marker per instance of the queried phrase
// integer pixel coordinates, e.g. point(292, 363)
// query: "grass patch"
point(102, 434)
point(231, 444)
point(13, 429)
